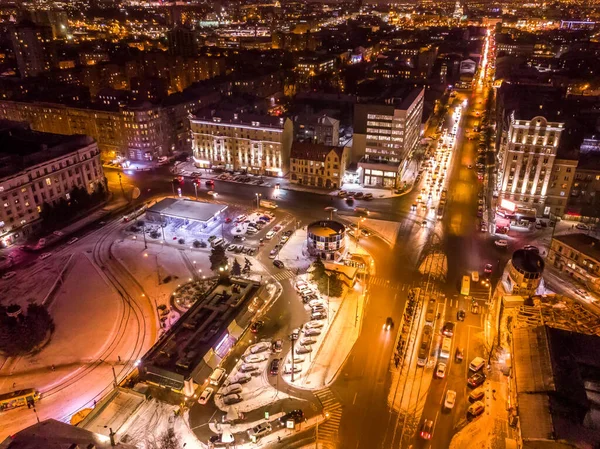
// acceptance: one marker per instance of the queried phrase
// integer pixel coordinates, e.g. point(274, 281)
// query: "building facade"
point(317, 128)
point(561, 181)
point(34, 48)
point(258, 144)
point(326, 239)
point(526, 155)
point(387, 134)
point(143, 132)
point(318, 165)
point(315, 65)
point(40, 168)
point(578, 255)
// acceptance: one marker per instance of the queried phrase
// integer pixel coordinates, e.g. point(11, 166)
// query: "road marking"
point(355, 395)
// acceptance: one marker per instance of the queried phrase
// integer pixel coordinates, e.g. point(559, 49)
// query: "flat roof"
point(585, 244)
point(190, 209)
point(326, 228)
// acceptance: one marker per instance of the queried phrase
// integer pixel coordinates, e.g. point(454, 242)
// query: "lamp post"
point(293, 337)
point(258, 195)
point(196, 188)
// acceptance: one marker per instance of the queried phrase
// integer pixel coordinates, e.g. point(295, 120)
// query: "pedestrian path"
point(283, 275)
point(329, 429)
point(382, 282)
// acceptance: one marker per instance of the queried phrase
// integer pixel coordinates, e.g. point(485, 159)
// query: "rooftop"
point(190, 209)
point(218, 117)
point(313, 151)
point(527, 261)
point(21, 148)
point(529, 101)
point(588, 245)
point(52, 434)
point(326, 228)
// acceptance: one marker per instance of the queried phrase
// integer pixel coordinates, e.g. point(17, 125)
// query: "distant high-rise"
point(458, 11)
point(34, 48)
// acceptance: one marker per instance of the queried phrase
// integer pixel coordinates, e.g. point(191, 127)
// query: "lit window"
point(48, 182)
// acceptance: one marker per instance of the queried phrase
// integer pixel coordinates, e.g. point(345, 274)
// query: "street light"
point(258, 195)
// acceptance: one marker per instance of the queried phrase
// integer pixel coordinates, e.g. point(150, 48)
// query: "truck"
point(268, 204)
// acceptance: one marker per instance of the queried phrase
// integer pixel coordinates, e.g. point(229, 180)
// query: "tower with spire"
point(458, 10)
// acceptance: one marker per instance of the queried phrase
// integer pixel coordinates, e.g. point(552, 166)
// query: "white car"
point(315, 303)
point(312, 332)
point(9, 275)
point(314, 325)
point(205, 396)
point(73, 240)
point(270, 235)
point(440, 370)
point(213, 193)
point(450, 399)
point(307, 341)
point(259, 347)
point(255, 358)
point(45, 256)
point(231, 389)
point(501, 243)
point(288, 368)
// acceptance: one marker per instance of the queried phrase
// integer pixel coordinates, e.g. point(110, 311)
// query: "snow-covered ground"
point(92, 334)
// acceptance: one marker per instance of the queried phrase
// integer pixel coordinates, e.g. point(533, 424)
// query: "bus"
point(446, 347)
point(424, 346)
point(465, 286)
point(19, 398)
point(268, 204)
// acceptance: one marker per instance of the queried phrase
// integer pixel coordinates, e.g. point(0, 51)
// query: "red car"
point(210, 182)
point(228, 220)
point(488, 268)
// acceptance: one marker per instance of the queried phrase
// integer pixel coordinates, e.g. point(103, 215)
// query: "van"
point(476, 364)
point(217, 376)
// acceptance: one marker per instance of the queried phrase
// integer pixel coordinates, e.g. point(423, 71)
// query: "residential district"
point(287, 224)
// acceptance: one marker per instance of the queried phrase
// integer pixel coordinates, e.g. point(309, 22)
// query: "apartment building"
point(317, 128)
point(318, 165)
point(138, 132)
point(529, 130)
point(258, 144)
point(578, 255)
point(34, 48)
point(315, 65)
point(584, 198)
point(386, 132)
point(38, 168)
point(559, 187)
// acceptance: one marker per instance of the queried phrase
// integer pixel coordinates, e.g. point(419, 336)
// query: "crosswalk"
point(329, 428)
point(382, 282)
point(284, 274)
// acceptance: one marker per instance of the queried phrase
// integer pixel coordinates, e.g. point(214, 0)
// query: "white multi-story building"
point(533, 170)
point(387, 133)
point(258, 144)
point(38, 168)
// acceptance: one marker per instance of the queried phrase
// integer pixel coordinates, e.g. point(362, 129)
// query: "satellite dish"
point(136, 193)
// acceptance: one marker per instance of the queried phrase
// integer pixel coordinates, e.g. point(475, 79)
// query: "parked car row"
point(355, 195)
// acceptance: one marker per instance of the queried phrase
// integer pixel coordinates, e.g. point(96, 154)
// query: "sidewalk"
point(336, 344)
point(187, 168)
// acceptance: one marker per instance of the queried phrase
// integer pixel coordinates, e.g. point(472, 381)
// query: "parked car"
point(255, 358)
point(477, 394)
point(239, 378)
point(232, 399)
point(476, 380)
point(303, 350)
point(45, 256)
point(312, 332)
point(259, 347)
point(277, 345)
point(247, 368)
point(231, 389)
point(476, 409)
point(296, 415)
point(259, 431)
point(535, 249)
point(582, 226)
point(288, 367)
point(205, 395)
point(501, 243)
point(313, 325)
point(73, 240)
